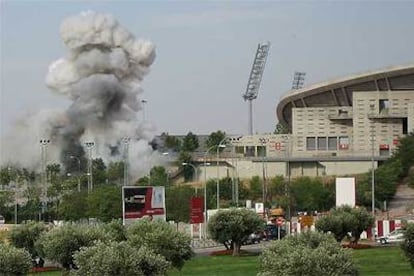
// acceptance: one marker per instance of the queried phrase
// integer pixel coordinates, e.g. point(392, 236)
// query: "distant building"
point(336, 128)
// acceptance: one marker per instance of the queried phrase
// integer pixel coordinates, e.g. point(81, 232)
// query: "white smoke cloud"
point(102, 77)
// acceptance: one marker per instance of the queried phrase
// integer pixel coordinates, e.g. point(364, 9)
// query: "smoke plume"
point(101, 76)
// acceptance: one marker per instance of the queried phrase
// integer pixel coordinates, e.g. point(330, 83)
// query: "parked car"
point(2, 221)
point(393, 237)
point(253, 238)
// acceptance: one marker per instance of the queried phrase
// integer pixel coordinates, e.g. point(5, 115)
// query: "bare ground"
point(402, 205)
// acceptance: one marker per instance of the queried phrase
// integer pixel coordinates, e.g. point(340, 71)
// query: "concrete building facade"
point(337, 127)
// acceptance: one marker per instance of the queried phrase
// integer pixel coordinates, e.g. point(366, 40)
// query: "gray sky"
point(205, 51)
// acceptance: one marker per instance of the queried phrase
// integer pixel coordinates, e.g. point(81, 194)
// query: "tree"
point(233, 226)
point(309, 253)
point(188, 171)
point(159, 176)
point(343, 220)
point(14, 261)
point(256, 187)
point(408, 245)
point(190, 142)
point(99, 172)
point(215, 138)
point(74, 206)
point(105, 203)
point(115, 172)
point(26, 235)
point(119, 258)
point(177, 202)
point(162, 239)
point(60, 243)
point(405, 153)
point(172, 142)
point(310, 194)
point(281, 128)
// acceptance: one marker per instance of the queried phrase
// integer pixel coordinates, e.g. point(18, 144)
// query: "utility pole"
point(90, 146)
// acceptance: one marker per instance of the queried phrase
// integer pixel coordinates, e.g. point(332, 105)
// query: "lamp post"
point(79, 170)
point(205, 189)
point(195, 178)
point(263, 143)
point(126, 160)
point(90, 146)
point(43, 153)
point(220, 145)
point(372, 166)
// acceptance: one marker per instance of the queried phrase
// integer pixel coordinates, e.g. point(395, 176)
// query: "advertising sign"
point(196, 210)
point(141, 202)
point(345, 191)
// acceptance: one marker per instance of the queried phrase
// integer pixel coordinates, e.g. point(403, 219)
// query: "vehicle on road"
point(2, 221)
point(395, 236)
point(253, 238)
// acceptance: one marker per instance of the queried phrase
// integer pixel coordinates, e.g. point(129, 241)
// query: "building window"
point(384, 105)
point(384, 150)
point(239, 149)
point(322, 143)
point(261, 151)
point(310, 143)
point(332, 143)
point(344, 142)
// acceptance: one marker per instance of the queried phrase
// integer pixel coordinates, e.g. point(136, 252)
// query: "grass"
point(387, 260)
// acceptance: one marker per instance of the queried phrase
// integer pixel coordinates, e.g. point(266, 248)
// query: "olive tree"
point(14, 261)
point(26, 235)
point(408, 244)
point(119, 258)
point(234, 226)
point(60, 243)
point(163, 239)
point(309, 253)
point(343, 220)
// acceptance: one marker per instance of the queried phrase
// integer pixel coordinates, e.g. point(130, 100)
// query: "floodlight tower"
point(255, 79)
point(298, 80)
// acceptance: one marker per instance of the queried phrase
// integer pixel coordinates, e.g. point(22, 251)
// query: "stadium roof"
point(338, 92)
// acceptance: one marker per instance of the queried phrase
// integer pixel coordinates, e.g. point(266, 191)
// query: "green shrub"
point(163, 239)
point(14, 261)
point(25, 236)
point(310, 253)
point(60, 243)
point(119, 258)
point(408, 244)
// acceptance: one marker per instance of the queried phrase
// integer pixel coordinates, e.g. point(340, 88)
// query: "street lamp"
point(205, 189)
point(263, 142)
point(43, 152)
point(220, 145)
point(90, 146)
point(126, 160)
point(195, 178)
point(79, 170)
point(372, 164)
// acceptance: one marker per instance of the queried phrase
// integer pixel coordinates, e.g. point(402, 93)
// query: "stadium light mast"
point(255, 79)
point(298, 80)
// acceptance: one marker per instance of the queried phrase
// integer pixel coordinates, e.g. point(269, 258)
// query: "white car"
point(393, 237)
point(1, 219)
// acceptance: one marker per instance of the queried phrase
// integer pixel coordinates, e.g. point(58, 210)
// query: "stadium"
point(337, 127)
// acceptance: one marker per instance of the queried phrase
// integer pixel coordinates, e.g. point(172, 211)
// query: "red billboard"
point(196, 210)
point(140, 202)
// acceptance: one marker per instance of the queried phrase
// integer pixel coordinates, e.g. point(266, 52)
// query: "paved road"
point(252, 248)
